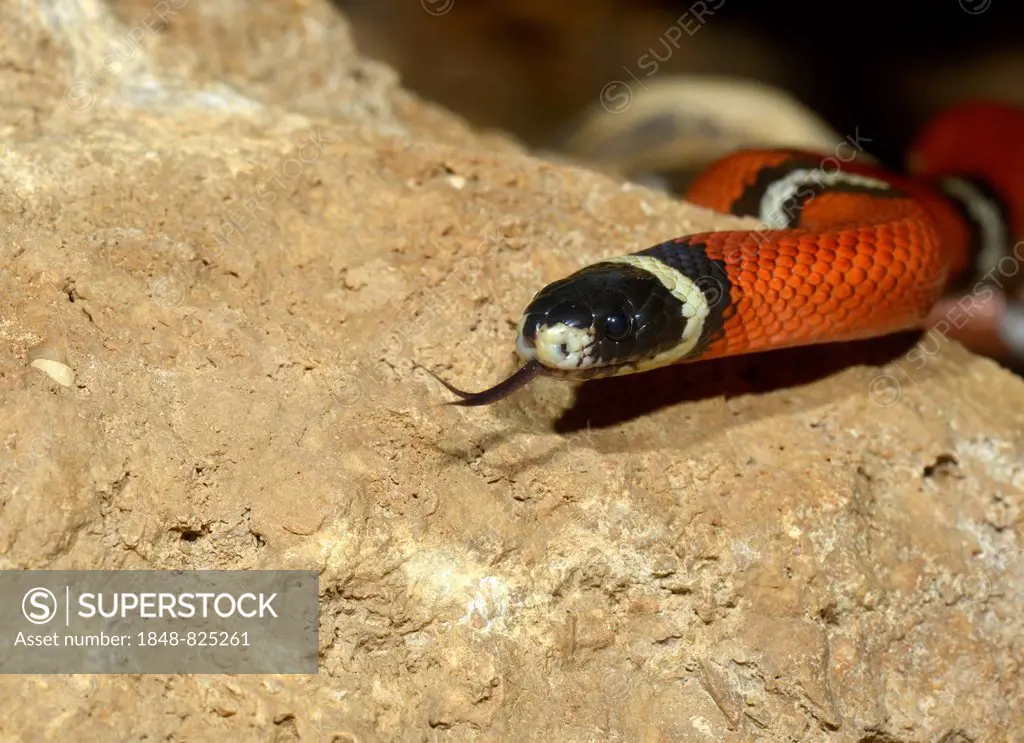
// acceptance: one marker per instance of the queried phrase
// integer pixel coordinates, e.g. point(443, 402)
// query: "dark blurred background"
point(533, 67)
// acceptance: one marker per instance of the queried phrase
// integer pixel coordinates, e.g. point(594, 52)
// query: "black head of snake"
point(614, 317)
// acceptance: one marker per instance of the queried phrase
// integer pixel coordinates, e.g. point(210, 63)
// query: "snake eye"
point(617, 325)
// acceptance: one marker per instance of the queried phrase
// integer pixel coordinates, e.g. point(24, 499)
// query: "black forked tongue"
point(502, 389)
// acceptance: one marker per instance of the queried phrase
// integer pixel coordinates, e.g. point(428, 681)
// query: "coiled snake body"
point(846, 253)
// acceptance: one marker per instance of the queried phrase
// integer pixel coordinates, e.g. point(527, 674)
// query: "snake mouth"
point(526, 347)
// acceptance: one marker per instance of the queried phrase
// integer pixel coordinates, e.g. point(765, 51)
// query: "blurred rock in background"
point(536, 68)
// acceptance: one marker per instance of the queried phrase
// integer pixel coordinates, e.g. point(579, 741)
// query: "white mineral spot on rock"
point(744, 553)
point(490, 603)
point(1000, 457)
point(701, 725)
point(438, 579)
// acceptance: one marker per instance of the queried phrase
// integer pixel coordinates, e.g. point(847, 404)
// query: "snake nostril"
point(564, 349)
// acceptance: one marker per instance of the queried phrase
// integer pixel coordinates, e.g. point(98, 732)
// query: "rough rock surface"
point(789, 548)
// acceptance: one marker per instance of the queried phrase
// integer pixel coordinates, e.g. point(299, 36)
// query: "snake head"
point(600, 321)
point(622, 315)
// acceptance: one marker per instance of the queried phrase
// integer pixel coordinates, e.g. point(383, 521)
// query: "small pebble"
point(50, 360)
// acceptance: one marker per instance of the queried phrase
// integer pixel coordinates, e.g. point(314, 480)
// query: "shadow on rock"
point(607, 402)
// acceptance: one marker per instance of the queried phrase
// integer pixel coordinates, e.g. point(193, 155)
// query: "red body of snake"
point(866, 262)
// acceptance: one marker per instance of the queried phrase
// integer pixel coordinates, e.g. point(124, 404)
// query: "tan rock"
point(778, 548)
